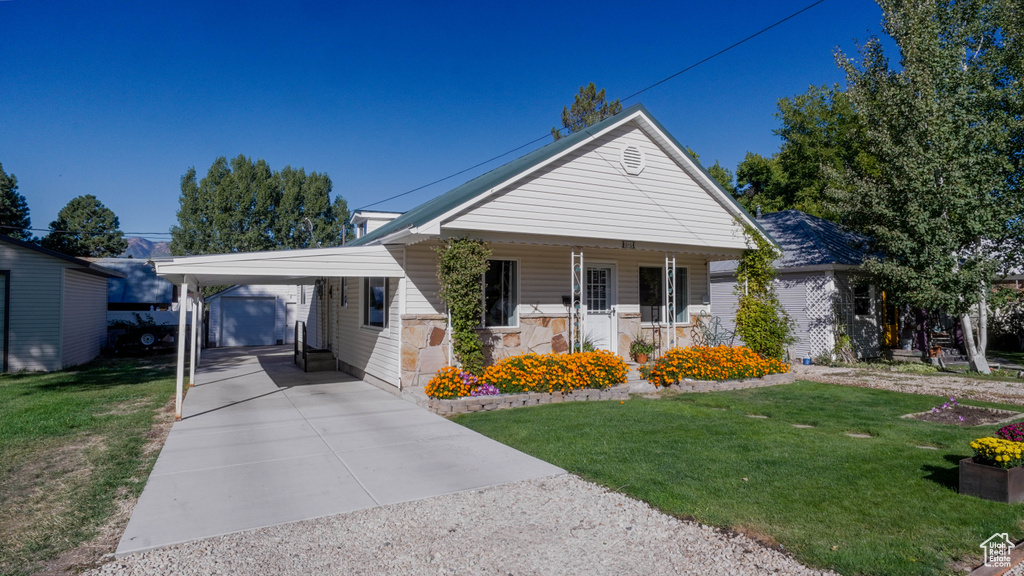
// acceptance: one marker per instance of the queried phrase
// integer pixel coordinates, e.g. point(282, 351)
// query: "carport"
point(191, 273)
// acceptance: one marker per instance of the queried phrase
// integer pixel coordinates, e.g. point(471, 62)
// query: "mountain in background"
point(141, 248)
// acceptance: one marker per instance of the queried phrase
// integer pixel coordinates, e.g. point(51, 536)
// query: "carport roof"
point(282, 266)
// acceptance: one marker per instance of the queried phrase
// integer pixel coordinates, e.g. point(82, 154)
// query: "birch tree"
point(945, 128)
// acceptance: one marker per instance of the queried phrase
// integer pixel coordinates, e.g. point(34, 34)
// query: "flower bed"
point(718, 363)
point(527, 373)
point(451, 406)
point(997, 452)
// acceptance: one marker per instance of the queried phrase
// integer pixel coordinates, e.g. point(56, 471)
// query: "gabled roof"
point(81, 265)
point(441, 205)
point(808, 241)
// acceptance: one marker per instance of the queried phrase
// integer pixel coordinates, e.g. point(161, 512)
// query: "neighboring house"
point(141, 292)
point(366, 221)
point(53, 307)
point(817, 284)
point(601, 234)
point(256, 315)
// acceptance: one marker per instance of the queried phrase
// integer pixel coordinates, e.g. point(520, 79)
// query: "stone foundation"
point(424, 348)
point(629, 325)
point(502, 401)
point(536, 333)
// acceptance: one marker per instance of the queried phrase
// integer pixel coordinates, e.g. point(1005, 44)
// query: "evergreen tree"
point(589, 106)
point(14, 213)
point(85, 227)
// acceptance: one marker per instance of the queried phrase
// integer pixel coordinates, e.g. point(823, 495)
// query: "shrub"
point(997, 452)
point(450, 382)
point(718, 363)
point(556, 372)
point(1012, 432)
point(761, 321)
point(461, 263)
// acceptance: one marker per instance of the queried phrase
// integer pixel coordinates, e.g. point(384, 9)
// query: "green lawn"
point(71, 445)
point(879, 505)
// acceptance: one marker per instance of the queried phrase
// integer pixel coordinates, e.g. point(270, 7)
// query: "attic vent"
point(633, 160)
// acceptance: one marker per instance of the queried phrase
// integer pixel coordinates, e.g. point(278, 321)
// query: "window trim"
point(365, 304)
point(483, 295)
point(663, 307)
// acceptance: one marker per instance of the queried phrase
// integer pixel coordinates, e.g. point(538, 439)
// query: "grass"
point(71, 445)
point(879, 505)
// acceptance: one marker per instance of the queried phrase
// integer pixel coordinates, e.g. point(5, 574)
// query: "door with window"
point(600, 321)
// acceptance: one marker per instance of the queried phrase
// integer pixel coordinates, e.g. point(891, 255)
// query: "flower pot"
point(991, 482)
point(641, 358)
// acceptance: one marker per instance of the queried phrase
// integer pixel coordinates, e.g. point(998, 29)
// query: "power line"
point(633, 95)
point(48, 230)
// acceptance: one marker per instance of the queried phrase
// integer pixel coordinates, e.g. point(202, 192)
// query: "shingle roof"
point(439, 205)
point(83, 265)
point(140, 285)
point(808, 241)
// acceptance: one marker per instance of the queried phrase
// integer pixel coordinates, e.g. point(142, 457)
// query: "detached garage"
point(256, 315)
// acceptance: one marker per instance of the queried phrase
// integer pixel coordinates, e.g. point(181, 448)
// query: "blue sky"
point(119, 99)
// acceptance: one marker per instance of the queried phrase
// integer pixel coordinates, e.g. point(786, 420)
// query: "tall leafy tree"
point(589, 106)
point(946, 130)
point(820, 132)
point(14, 213)
point(720, 173)
point(243, 206)
point(85, 227)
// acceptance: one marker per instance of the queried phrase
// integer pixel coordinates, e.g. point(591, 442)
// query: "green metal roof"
point(456, 197)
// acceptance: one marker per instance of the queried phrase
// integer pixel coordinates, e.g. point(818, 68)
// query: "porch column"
point(576, 318)
point(670, 296)
point(182, 320)
point(194, 305)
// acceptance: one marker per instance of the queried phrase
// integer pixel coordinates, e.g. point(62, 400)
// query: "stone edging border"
point(721, 385)
point(447, 407)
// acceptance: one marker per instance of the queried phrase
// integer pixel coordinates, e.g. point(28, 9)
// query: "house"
point(366, 221)
point(598, 236)
point(256, 315)
point(140, 291)
point(817, 284)
point(54, 307)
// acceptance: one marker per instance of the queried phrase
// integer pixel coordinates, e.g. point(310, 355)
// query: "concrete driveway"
point(262, 443)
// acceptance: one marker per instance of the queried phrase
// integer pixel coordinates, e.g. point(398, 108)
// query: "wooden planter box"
point(990, 482)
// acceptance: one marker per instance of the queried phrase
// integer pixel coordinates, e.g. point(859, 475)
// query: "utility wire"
point(633, 95)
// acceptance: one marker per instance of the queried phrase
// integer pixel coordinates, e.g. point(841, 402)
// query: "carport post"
point(182, 321)
point(194, 304)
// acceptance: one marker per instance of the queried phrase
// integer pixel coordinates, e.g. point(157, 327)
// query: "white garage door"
point(247, 321)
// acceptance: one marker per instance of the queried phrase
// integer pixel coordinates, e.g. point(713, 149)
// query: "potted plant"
point(640, 348)
point(995, 472)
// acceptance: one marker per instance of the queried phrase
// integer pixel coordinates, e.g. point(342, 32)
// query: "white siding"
point(545, 276)
point(35, 312)
point(372, 350)
point(85, 317)
point(588, 195)
point(282, 293)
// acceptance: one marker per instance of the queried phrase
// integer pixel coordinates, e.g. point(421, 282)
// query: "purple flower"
point(485, 390)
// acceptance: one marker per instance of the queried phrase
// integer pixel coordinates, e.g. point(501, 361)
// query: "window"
point(652, 295)
point(375, 302)
point(501, 293)
point(862, 300)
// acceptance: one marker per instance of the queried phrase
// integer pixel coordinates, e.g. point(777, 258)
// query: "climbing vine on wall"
point(761, 321)
point(461, 264)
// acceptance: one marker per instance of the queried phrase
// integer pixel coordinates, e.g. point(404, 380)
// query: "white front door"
point(600, 321)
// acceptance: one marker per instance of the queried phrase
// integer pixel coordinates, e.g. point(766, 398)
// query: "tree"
point(720, 173)
point(244, 206)
point(14, 219)
point(820, 132)
point(85, 227)
point(588, 107)
point(946, 130)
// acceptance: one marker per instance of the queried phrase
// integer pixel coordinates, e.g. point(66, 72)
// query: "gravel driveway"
point(1011, 392)
point(550, 526)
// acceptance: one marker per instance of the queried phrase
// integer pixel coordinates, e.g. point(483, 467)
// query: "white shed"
point(256, 315)
point(53, 310)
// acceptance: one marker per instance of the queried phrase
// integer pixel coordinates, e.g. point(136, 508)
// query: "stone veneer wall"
point(538, 333)
point(629, 326)
point(424, 347)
